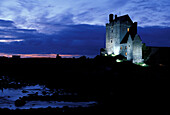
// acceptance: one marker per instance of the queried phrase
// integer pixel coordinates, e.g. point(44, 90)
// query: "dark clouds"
point(155, 36)
point(79, 39)
point(4, 23)
point(75, 39)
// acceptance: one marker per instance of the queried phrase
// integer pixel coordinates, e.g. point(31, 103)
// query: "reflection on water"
point(8, 97)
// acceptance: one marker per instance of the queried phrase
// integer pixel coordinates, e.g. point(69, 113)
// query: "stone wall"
point(129, 48)
point(109, 38)
point(124, 29)
point(123, 49)
point(137, 49)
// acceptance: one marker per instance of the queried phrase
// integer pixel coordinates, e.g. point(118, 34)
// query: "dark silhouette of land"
point(118, 88)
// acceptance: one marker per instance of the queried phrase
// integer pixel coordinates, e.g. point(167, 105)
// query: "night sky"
point(75, 27)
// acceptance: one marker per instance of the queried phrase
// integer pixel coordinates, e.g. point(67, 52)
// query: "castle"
point(122, 38)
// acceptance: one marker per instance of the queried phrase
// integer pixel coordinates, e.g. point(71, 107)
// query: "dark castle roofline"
point(132, 32)
point(125, 39)
point(123, 18)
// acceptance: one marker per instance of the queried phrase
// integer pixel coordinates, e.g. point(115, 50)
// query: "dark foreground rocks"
point(20, 102)
point(119, 88)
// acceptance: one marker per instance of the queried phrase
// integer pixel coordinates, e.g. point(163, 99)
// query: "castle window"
point(111, 41)
point(112, 31)
point(121, 47)
point(126, 47)
point(126, 53)
point(127, 29)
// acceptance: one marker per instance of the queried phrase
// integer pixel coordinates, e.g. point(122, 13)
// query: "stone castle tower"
point(122, 38)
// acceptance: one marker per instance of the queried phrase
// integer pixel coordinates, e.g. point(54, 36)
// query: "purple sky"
point(76, 27)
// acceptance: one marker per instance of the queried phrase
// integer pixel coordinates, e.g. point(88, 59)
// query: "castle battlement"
point(122, 38)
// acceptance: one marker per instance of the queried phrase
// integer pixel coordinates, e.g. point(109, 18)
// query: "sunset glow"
point(39, 55)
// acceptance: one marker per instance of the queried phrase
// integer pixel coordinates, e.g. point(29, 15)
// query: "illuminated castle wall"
point(122, 38)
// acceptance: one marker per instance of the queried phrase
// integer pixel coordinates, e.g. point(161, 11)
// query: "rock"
point(44, 92)
point(20, 102)
point(24, 91)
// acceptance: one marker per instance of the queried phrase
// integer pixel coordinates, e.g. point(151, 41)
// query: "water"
point(10, 95)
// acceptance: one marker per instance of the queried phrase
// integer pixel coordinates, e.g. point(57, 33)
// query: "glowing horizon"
point(39, 55)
